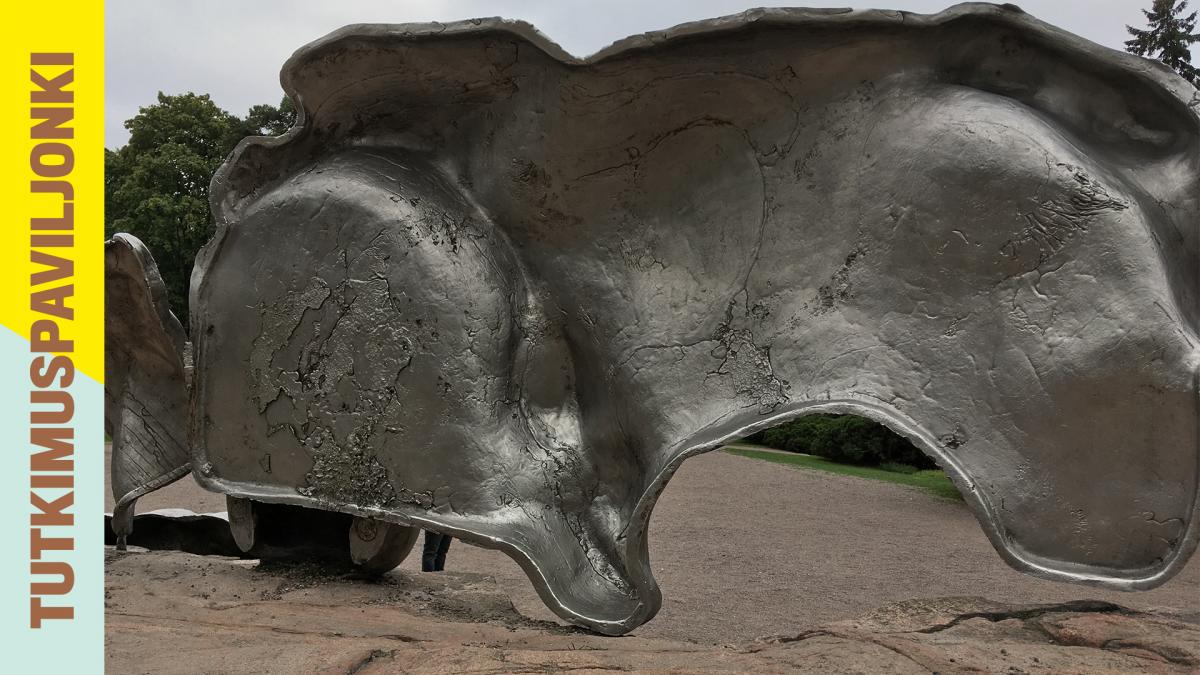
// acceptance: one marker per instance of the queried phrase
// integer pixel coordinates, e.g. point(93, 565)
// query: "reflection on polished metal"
point(145, 380)
point(496, 291)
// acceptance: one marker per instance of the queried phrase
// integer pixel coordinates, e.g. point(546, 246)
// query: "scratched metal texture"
point(145, 380)
point(498, 291)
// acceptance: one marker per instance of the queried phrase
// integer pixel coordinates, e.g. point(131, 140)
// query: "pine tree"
point(1169, 37)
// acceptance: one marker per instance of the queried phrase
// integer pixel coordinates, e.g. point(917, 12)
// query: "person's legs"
point(439, 562)
point(429, 552)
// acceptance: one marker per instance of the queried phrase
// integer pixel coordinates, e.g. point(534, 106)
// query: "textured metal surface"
point(378, 546)
point(145, 383)
point(243, 522)
point(496, 291)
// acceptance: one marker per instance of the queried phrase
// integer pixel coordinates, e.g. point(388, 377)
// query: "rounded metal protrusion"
point(122, 522)
point(378, 546)
point(243, 522)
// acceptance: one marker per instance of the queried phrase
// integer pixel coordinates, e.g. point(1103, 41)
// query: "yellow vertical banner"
point(52, 339)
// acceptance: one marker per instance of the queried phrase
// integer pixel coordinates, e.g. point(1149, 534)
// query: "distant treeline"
point(844, 438)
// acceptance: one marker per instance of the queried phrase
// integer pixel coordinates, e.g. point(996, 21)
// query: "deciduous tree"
point(156, 185)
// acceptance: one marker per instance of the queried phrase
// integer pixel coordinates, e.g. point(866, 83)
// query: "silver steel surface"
point(379, 546)
point(145, 380)
point(490, 289)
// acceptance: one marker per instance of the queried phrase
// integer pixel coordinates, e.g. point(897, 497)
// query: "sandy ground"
point(744, 548)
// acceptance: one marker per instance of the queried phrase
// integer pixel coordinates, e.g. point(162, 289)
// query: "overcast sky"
point(232, 49)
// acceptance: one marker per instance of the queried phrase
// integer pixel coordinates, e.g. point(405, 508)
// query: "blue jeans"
point(433, 556)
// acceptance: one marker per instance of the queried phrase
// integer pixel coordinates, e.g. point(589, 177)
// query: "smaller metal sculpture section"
point(146, 379)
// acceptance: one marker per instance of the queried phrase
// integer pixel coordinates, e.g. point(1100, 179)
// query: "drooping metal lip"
point(234, 186)
point(642, 610)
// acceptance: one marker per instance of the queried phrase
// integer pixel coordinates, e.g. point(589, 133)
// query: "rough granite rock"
point(222, 615)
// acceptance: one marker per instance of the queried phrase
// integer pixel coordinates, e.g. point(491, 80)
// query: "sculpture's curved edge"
point(124, 504)
point(123, 508)
point(157, 287)
point(1009, 15)
point(1149, 71)
point(983, 510)
point(651, 599)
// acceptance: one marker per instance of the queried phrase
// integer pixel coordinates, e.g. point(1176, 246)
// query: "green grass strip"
point(932, 481)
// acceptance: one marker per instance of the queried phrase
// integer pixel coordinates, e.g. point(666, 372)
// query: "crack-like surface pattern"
point(146, 379)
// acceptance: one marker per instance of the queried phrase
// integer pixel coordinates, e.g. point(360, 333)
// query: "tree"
point(156, 185)
point(1169, 38)
point(844, 438)
point(268, 120)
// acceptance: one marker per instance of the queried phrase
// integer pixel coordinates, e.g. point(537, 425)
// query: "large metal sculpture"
point(489, 289)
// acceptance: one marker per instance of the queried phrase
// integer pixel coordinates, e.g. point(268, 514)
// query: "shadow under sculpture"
point(493, 290)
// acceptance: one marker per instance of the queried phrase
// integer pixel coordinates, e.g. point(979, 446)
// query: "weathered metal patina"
point(145, 379)
point(497, 291)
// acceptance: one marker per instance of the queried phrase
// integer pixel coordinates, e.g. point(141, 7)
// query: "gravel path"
point(744, 548)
